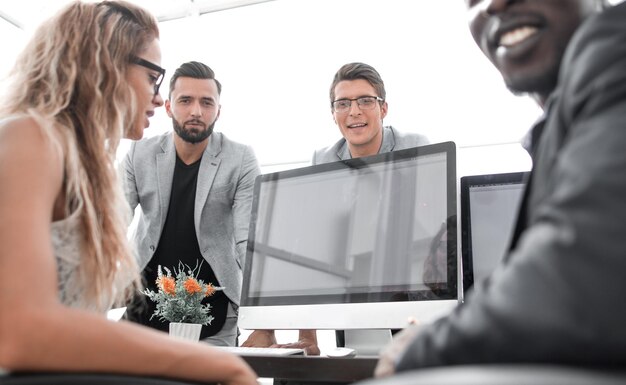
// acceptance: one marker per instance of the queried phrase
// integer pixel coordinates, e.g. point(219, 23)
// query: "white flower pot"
point(185, 331)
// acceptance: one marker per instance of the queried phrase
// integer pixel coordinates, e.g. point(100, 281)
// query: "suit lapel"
point(166, 161)
point(343, 152)
point(388, 142)
point(208, 169)
point(536, 135)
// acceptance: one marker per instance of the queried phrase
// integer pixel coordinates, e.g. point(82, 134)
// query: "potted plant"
point(179, 298)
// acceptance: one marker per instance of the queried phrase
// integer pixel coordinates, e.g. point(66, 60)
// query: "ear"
point(168, 108)
point(334, 118)
point(219, 111)
point(383, 110)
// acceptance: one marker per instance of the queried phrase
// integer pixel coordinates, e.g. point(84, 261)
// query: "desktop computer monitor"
point(355, 244)
point(489, 206)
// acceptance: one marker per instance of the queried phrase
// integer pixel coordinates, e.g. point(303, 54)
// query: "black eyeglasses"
point(364, 103)
point(151, 66)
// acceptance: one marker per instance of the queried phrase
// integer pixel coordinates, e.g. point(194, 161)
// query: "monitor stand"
point(367, 342)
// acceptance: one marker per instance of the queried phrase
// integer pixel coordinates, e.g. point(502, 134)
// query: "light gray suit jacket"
point(392, 141)
point(222, 206)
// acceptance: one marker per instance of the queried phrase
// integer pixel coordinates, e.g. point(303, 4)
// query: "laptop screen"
point(489, 206)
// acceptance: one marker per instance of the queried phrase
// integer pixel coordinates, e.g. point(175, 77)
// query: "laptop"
point(489, 206)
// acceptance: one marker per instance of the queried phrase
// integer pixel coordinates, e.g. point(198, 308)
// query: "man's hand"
point(307, 340)
point(390, 353)
point(261, 339)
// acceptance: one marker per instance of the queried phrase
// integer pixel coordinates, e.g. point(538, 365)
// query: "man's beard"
point(193, 136)
point(542, 84)
point(539, 78)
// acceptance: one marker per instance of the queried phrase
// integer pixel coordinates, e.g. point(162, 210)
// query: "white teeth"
point(516, 36)
point(357, 125)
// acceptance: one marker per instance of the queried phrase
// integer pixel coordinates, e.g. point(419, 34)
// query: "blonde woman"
point(89, 76)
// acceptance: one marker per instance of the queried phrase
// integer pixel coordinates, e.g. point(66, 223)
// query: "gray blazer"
point(392, 140)
point(222, 206)
point(558, 296)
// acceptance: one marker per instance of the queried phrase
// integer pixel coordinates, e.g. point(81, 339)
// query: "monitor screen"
point(360, 243)
point(489, 205)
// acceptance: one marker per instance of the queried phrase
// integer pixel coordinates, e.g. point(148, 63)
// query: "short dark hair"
point(354, 71)
point(196, 70)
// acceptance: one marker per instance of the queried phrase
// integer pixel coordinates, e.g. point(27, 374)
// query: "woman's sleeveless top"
point(66, 243)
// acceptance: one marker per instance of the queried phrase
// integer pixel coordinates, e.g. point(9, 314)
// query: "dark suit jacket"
point(560, 294)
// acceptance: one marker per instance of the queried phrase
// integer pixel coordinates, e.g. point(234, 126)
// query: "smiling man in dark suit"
point(558, 295)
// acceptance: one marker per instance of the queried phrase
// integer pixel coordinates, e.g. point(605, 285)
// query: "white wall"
point(276, 61)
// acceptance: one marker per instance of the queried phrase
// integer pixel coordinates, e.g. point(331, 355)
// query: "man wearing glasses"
point(195, 190)
point(358, 105)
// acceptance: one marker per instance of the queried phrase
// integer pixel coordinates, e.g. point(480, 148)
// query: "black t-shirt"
point(179, 242)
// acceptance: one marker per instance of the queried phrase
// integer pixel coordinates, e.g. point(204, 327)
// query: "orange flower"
point(209, 290)
point(167, 284)
point(192, 286)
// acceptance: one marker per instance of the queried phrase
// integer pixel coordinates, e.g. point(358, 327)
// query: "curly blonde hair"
point(72, 76)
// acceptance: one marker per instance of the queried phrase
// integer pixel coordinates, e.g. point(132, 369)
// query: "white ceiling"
point(21, 15)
